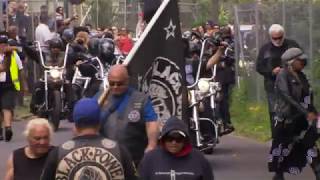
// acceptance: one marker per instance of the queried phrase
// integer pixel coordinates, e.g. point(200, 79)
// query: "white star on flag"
point(170, 30)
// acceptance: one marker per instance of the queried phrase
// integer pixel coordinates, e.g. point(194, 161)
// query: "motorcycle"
point(201, 90)
point(93, 69)
point(54, 107)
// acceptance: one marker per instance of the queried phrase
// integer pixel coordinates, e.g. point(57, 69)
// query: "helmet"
point(55, 43)
point(93, 46)
point(68, 35)
point(106, 49)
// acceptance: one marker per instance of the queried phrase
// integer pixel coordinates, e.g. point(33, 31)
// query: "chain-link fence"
point(98, 13)
point(251, 31)
point(125, 13)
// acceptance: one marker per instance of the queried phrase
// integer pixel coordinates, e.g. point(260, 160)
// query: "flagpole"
point(145, 32)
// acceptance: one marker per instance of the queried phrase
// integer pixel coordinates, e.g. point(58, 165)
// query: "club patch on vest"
point(134, 116)
point(68, 145)
point(89, 163)
point(108, 143)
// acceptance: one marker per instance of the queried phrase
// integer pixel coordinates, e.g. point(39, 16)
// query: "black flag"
point(150, 7)
point(157, 64)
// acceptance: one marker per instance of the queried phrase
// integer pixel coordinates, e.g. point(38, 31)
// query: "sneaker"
point(8, 134)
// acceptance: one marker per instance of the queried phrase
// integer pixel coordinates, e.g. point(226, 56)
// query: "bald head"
point(118, 79)
point(119, 70)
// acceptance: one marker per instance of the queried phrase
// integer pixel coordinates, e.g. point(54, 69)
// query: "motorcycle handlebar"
point(37, 43)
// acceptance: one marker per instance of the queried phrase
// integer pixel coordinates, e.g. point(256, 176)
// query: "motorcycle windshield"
point(52, 59)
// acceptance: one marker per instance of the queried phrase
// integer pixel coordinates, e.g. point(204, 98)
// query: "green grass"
point(251, 119)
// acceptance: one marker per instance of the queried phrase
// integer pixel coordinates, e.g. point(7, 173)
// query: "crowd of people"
point(114, 129)
point(117, 134)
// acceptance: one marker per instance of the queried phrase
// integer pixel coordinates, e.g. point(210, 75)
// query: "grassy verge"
point(250, 119)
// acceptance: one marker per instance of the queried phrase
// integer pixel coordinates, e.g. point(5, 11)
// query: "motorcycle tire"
point(208, 150)
point(54, 116)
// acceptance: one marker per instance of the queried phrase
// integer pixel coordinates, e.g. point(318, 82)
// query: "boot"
point(1, 134)
point(228, 128)
point(8, 134)
point(278, 176)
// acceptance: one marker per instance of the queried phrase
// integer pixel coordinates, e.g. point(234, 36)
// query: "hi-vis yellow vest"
point(14, 71)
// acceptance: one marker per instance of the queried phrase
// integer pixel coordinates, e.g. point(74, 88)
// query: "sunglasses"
point(114, 83)
point(277, 38)
point(178, 139)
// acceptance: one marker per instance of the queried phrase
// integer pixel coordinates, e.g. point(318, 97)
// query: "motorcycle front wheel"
point(54, 115)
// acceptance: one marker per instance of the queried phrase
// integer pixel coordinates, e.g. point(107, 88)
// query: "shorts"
point(7, 99)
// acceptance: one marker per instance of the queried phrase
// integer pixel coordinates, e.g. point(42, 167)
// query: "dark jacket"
point(159, 164)
point(269, 57)
point(294, 99)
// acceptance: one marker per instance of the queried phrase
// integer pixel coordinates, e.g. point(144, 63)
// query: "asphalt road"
point(235, 158)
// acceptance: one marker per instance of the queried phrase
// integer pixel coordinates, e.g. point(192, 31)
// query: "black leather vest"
point(89, 157)
point(128, 127)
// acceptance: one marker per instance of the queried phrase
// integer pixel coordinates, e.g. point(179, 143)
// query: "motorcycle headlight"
point(54, 73)
point(203, 86)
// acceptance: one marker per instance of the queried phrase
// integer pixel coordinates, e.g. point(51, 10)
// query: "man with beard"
point(269, 63)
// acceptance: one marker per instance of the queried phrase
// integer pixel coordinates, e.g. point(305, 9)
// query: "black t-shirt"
point(26, 168)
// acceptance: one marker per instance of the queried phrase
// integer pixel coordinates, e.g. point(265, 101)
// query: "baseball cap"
point(293, 53)
point(86, 112)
